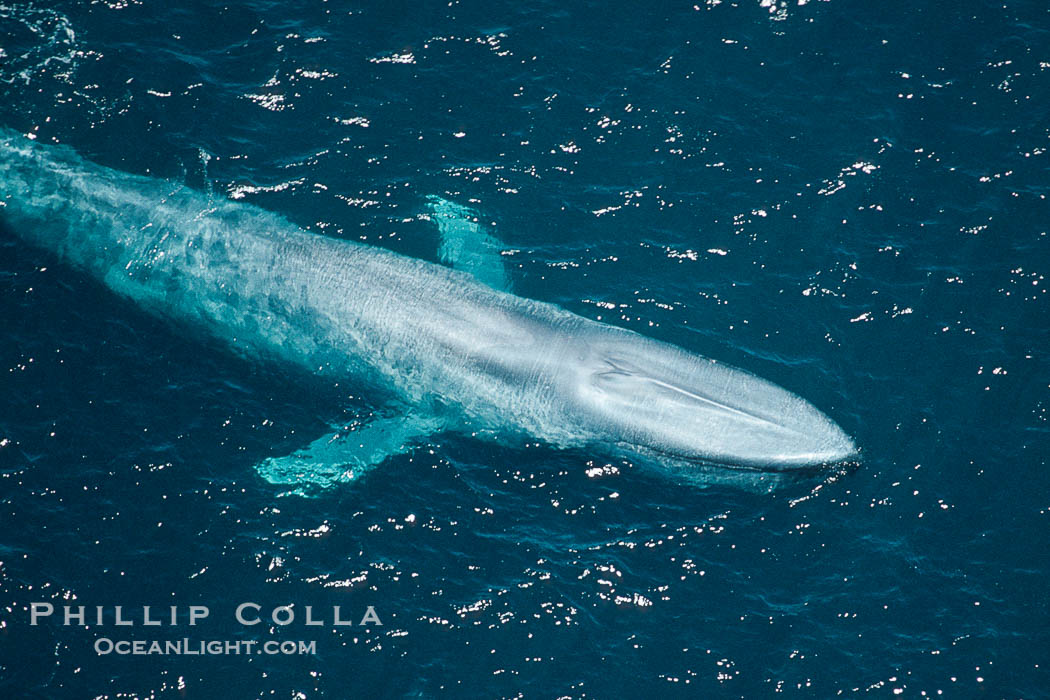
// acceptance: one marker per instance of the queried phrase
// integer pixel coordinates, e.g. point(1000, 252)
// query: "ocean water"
point(847, 199)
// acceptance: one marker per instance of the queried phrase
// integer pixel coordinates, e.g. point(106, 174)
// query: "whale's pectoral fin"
point(466, 246)
point(347, 453)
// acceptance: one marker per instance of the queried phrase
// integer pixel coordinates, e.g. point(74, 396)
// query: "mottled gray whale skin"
point(434, 338)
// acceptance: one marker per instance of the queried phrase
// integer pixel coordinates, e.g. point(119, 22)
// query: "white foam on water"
point(35, 41)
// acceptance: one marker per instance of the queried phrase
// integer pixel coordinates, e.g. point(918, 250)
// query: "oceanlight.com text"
point(187, 647)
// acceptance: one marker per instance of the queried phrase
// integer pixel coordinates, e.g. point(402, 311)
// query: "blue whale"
point(448, 345)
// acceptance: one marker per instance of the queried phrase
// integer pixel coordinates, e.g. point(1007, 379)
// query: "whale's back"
point(269, 288)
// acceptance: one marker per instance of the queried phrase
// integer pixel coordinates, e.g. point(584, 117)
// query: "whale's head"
point(655, 399)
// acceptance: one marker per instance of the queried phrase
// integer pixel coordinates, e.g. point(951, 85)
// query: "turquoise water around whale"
point(849, 201)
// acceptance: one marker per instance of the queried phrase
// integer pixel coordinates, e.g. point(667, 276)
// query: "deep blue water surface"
point(846, 198)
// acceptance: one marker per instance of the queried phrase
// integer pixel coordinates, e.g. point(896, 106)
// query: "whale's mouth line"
point(801, 469)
